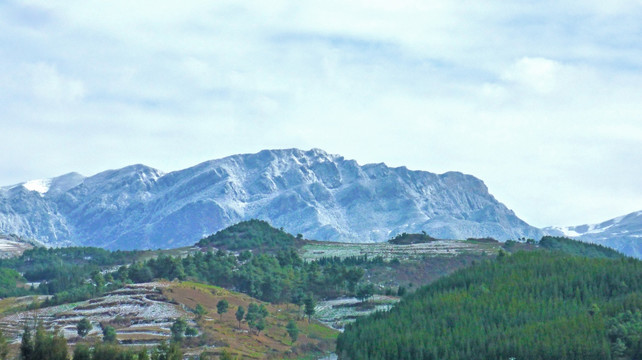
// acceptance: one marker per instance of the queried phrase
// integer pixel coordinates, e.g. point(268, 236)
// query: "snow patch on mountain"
point(40, 186)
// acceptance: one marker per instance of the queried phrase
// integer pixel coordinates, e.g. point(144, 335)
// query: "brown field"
point(225, 334)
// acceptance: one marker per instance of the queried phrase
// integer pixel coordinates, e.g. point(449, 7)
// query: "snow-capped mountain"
point(319, 195)
point(623, 233)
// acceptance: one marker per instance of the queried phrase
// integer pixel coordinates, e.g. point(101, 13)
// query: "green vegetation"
point(240, 313)
point(255, 235)
point(574, 247)
point(292, 330)
point(62, 272)
point(255, 317)
point(408, 239)
point(530, 305)
point(43, 345)
point(309, 306)
point(84, 327)
point(46, 345)
point(265, 277)
point(4, 347)
point(200, 311)
point(178, 329)
point(9, 281)
point(221, 307)
point(109, 334)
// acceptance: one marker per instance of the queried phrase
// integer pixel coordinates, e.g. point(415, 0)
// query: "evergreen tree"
point(221, 307)
point(200, 311)
point(82, 352)
point(26, 346)
point(309, 307)
point(529, 306)
point(109, 334)
point(240, 313)
point(293, 330)
point(365, 292)
point(178, 329)
point(4, 347)
point(84, 327)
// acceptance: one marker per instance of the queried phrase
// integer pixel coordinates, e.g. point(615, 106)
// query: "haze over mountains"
point(319, 195)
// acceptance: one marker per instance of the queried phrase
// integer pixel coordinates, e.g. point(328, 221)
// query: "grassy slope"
point(225, 334)
point(272, 343)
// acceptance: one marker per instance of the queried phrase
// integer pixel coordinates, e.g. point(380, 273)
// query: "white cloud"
point(538, 74)
point(522, 95)
point(49, 85)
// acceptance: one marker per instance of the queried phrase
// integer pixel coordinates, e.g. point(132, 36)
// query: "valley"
point(141, 294)
point(317, 291)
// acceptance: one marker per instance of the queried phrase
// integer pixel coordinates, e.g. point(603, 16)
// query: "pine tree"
point(309, 307)
point(221, 307)
point(240, 312)
point(84, 327)
point(4, 347)
point(293, 330)
point(26, 346)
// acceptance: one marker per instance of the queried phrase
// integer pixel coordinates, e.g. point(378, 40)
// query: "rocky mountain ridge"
point(319, 195)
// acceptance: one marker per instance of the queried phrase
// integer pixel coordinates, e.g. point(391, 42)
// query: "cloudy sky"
point(540, 99)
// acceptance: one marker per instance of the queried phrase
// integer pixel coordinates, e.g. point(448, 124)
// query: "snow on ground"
point(567, 231)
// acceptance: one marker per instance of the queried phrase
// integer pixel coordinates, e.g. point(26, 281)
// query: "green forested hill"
point(575, 247)
point(530, 305)
point(251, 235)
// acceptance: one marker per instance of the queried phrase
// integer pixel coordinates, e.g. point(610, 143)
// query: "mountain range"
point(622, 233)
point(319, 195)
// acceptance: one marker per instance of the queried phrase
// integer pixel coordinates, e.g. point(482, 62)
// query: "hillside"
point(143, 315)
point(622, 233)
point(12, 245)
point(319, 195)
point(530, 305)
point(574, 247)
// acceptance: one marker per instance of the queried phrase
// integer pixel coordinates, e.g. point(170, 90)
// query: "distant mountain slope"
point(623, 233)
point(319, 195)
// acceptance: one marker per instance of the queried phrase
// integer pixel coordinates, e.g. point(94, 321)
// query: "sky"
point(542, 100)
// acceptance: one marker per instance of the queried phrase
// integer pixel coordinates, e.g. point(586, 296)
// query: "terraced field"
point(439, 248)
point(140, 313)
point(337, 313)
